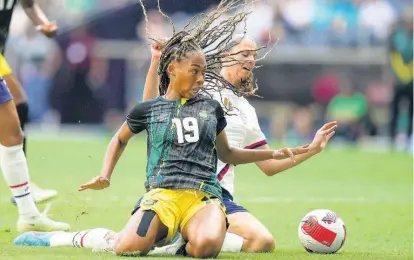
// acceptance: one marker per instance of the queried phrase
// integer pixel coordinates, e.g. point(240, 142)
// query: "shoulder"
point(142, 108)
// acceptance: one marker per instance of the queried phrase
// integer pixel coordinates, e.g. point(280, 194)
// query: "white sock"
point(232, 243)
point(97, 239)
point(14, 167)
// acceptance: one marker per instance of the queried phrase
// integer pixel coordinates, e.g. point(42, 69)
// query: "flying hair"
point(212, 34)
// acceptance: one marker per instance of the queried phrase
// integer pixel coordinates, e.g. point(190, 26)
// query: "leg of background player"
point(14, 168)
point(256, 237)
point(22, 108)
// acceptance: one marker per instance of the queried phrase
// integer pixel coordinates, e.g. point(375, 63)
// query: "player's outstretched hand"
point(97, 183)
point(290, 152)
point(156, 48)
point(48, 29)
point(323, 136)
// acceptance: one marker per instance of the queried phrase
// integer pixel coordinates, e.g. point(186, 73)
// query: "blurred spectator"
point(260, 21)
point(376, 18)
point(302, 126)
point(334, 22)
point(297, 16)
point(401, 61)
point(78, 87)
point(325, 87)
point(349, 108)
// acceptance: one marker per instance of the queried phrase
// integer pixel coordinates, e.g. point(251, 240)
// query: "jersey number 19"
point(6, 4)
point(190, 125)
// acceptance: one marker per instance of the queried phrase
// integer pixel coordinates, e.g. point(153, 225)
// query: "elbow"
point(226, 157)
point(269, 173)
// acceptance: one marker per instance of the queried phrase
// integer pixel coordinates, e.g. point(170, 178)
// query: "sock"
point(23, 112)
point(101, 239)
point(14, 167)
point(232, 243)
point(181, 251)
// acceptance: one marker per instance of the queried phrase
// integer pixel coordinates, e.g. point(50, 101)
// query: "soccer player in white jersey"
point(245, 233)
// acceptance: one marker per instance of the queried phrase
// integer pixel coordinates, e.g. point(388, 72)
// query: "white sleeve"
point(254, 135)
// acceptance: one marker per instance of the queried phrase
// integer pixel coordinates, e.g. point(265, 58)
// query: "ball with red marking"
point(322, 231)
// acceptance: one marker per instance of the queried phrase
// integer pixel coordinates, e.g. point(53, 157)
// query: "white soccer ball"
point(322, 231)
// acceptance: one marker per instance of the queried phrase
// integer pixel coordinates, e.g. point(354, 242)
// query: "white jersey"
point(242, 130)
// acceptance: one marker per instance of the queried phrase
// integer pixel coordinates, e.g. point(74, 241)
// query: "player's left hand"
point(97, 183)
point(290, 152)
point(322, 137)
point(48, 29)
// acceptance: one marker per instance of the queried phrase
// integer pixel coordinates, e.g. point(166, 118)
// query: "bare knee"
point(259, 242)
point(206, 246)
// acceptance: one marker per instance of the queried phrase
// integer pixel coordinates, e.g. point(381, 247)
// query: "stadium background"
point(81, 84)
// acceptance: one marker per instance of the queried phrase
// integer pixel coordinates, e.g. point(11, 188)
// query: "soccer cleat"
point(171, 249)
point(40, 223)
point(33, 239)
point(39, 195)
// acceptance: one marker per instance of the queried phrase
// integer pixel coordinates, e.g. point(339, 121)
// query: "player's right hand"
point(97, 183)
point(290, 152)
point(156, 49)
point(48, 29)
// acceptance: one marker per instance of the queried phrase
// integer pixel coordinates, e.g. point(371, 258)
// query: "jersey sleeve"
point(137, 117)
point(221, 119)
point(254, 136)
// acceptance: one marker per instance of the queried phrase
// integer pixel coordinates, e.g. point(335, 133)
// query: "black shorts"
point(231, 206)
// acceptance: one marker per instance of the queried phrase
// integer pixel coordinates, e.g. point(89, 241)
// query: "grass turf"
point(371, 192)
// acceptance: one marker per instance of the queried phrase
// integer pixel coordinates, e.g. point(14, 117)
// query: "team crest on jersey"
point(203, 114)
point(227, 104)
point(329, 218)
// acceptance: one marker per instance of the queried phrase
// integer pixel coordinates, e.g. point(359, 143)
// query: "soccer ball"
point(322, 231)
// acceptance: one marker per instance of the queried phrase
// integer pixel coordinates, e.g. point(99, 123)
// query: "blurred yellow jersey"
point(4, 67)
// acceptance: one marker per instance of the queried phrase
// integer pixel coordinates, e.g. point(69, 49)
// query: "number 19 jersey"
point(181, 142)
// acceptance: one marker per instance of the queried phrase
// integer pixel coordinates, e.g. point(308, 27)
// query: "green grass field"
point(372, 193)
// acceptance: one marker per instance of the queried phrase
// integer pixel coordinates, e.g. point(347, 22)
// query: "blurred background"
point(347, 60)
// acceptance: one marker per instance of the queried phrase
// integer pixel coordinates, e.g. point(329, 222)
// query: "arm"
point(34, 12)
point(38, 17)
point(115, 149)
point(272, 167)
point(136, 122)
point(152, 81)
point(232, 155)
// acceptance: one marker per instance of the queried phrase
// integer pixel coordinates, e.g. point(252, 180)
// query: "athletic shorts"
point(4, 67)
point(231, 206)
point(176, 207)
point(5, 94)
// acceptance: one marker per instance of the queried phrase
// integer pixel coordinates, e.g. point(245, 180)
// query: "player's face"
point(246, 57)
point(189, 74)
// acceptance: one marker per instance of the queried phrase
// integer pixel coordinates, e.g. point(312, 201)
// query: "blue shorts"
point(5, 94)
point(231, 206)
